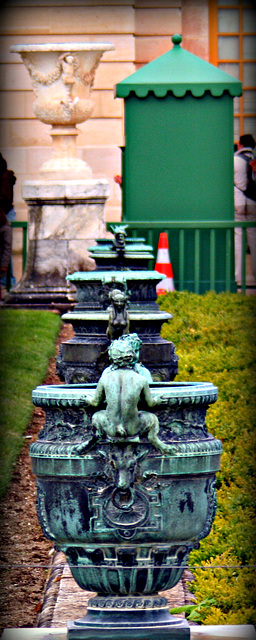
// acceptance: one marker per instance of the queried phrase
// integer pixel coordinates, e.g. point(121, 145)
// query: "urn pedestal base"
point(64, 216)
point(126, 618)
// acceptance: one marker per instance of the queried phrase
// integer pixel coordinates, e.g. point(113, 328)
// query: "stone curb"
point(220, 632)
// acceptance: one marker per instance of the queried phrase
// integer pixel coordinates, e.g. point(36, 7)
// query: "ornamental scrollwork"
point(66, 425)
point(127, 603)
point(212, 506)
point(42, 515)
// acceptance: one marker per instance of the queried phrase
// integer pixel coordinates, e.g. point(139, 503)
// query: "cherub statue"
point(120, 234)
point(68, 68)
point(69, 65)
point(122, 388)
point(118, 322)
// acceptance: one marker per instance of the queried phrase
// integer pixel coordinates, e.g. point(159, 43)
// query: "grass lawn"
point(27, 341)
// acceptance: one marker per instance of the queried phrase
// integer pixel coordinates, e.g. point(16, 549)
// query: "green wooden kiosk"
point(178, 154)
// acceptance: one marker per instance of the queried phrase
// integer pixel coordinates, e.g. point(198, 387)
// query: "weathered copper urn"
point(126, 489)
point(121, 263)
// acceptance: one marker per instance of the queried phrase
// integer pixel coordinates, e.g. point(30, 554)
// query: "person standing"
point(5, 246)
point(7, 182)
point(245, 207)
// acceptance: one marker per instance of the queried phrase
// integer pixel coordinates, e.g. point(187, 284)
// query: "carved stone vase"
point(65, 203)
point(125, 513)
point(62, 76)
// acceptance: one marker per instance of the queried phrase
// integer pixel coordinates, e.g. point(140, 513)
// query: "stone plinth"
point(64, 217)
point(205, 632)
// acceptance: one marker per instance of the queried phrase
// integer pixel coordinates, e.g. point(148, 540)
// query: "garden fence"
point(196, 234)
point(179, 234)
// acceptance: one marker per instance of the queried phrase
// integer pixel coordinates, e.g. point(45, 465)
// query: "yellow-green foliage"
point(215, 340)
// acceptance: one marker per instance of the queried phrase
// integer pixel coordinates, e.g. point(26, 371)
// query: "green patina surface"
point(112, 276)
point(173, 392)
point(126, 486)
point(103, 315)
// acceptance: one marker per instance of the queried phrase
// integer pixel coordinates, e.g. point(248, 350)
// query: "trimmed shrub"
point(214, 335)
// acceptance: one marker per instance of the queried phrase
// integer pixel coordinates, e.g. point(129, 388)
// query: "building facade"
point(221, 32)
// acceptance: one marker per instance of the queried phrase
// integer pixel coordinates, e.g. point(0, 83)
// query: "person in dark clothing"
point(5, 246)
point(7, 182)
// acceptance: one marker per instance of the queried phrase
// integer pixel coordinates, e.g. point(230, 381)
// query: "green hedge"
point(214, 335)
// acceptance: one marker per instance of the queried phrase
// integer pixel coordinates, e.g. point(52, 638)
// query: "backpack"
point(250, 191)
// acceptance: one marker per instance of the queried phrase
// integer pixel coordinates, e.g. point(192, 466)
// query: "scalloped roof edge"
point(178, 72)
point(178, 92)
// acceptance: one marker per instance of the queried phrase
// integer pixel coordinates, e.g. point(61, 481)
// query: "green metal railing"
point(24, 226)
point(17, 224)
point(151, 230)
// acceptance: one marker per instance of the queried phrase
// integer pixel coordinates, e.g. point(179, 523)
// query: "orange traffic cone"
point(164, 265)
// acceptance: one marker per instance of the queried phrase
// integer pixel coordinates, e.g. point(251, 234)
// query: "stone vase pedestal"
point(64, 217)
point(65, 205)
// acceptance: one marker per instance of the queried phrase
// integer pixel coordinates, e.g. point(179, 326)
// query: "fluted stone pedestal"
point(64, 217)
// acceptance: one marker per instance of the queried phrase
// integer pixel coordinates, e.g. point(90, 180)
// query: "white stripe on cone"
point(163, 265)
point(163, 256)
point(165, 285)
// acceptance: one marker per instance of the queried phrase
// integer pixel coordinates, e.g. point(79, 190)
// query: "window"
point(232, 36)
